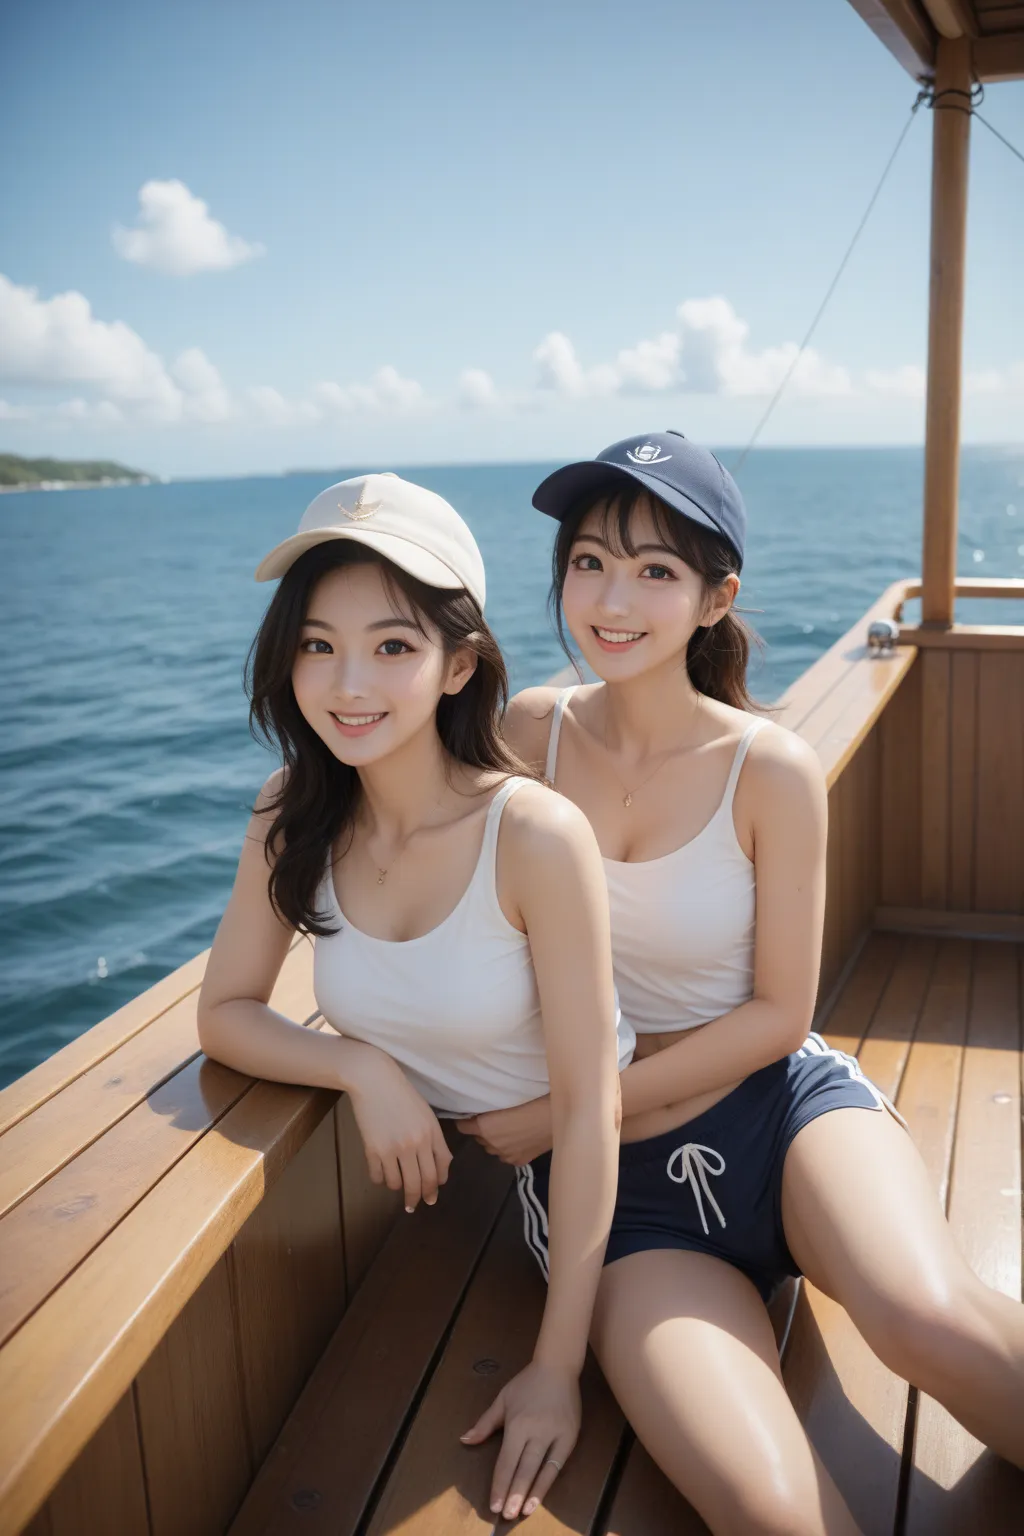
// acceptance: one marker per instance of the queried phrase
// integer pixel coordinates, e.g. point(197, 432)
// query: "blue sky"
point(467, 232)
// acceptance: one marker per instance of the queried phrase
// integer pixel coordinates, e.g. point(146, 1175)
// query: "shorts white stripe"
point(535, 1218)
point(814, 1045)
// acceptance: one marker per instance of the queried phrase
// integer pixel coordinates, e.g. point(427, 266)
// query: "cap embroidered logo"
point(647, 453)
point(361, 510)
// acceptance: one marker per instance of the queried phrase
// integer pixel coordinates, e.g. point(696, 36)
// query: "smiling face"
point(631, 612)
point(369, 671)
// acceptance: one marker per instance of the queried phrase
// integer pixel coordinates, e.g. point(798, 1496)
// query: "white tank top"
point(682, 925)
point(458, 1007)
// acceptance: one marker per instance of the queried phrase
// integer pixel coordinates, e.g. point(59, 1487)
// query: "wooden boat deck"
point(183, 1249)
point(450, 1308)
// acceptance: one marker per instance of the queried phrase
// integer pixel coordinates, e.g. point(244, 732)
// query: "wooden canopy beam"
point(950, 146)
point(905, 29)
point(1000, 57)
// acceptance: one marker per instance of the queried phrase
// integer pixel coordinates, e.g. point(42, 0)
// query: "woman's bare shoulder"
point(783, 767)
point(528, 723)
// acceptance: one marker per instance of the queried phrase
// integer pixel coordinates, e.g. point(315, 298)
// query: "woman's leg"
point(864, 1224)
point(685, 1342)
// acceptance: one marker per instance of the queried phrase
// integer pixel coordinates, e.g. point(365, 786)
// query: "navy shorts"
point(714, 1184)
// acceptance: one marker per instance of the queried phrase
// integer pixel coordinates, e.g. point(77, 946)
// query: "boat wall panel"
point(289, 1285)
point(935, 776)
point(999, 810)
point(192, 1418)
point(963, 760)
point(103, 1492)
point(852, 863)
point(369, 1210)
point(901, 795)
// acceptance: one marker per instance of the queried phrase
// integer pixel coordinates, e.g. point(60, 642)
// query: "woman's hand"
point(515, 1135)
point(405, 1147)
point(540, 1409)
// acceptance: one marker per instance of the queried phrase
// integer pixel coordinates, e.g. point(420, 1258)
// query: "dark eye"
point(586, 562)
point(316, 648)
point(659, 573)
point(394, 648)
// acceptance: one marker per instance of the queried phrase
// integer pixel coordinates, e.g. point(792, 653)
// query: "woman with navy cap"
point(459, 907)
point(751, 1151)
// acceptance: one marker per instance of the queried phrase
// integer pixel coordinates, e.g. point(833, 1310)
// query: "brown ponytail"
point(718, 654)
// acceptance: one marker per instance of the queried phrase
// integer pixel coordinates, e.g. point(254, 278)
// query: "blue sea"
point(126, 768)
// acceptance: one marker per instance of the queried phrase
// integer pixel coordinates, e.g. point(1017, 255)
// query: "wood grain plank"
point(289, 1285)
point(38, 1146)
point(368, 1210)
point(852, 1407)
point(104, 1493)
point(849, 1017)
point(900, 728)
point(841, 724)
point(192, 1418)
point(319, 1478)
point(930, 1090)
point(439, 1487)
point(962, 774)
point(61, 1222)
point(956, 1484)
point(935, 777)
point(999, 855)
point(70, 1362)
point(884, 1051)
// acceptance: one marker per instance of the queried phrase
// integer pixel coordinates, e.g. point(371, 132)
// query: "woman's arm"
point(404, 1144)
point(554, 870)
point(785, 792)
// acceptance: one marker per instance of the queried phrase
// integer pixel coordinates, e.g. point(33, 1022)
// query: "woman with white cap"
point(458, 906)
point(751, 1151)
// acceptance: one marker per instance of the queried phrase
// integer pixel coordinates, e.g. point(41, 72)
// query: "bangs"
point(619, 512)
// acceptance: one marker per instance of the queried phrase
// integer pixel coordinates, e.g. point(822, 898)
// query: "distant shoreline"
point(72, 485)
point(47, 474)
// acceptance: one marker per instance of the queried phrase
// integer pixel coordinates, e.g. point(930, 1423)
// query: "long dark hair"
point(318, 797)
point(717, 654)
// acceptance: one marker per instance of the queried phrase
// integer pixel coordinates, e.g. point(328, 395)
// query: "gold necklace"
point(627, 796)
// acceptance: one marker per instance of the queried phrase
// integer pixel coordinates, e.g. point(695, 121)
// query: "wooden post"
point(950, 146)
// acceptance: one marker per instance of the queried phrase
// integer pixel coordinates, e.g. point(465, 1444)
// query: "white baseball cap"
point(410, 526)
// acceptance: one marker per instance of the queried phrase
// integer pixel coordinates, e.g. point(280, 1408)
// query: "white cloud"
point(205, 397)
point(386, 391)
point(270, 406)
point(175, 234)
point(103, 412)
point(50, 342)
point(476, 390)
point(1005, 382)
point(560, 369)
point(9, 412)
point(708, 355)
point(907, 381)
point(59, 341)
point(717, 360)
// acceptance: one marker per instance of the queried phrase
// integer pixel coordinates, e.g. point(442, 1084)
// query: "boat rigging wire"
point(922, 97)
point(925, 97)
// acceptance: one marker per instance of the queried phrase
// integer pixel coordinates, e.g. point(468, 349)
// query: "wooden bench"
point(450, 1308)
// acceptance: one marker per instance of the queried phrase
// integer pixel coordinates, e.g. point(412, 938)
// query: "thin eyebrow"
point(662, 549)
point(377, 624)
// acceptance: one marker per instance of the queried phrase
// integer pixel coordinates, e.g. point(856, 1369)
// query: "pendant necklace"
point(627, 794)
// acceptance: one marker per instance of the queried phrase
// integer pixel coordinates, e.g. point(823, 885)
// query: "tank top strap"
point(739, 757)
point(486, 869)
point(556, 730)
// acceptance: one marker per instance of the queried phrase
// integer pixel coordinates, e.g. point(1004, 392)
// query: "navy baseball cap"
point(688, 479)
